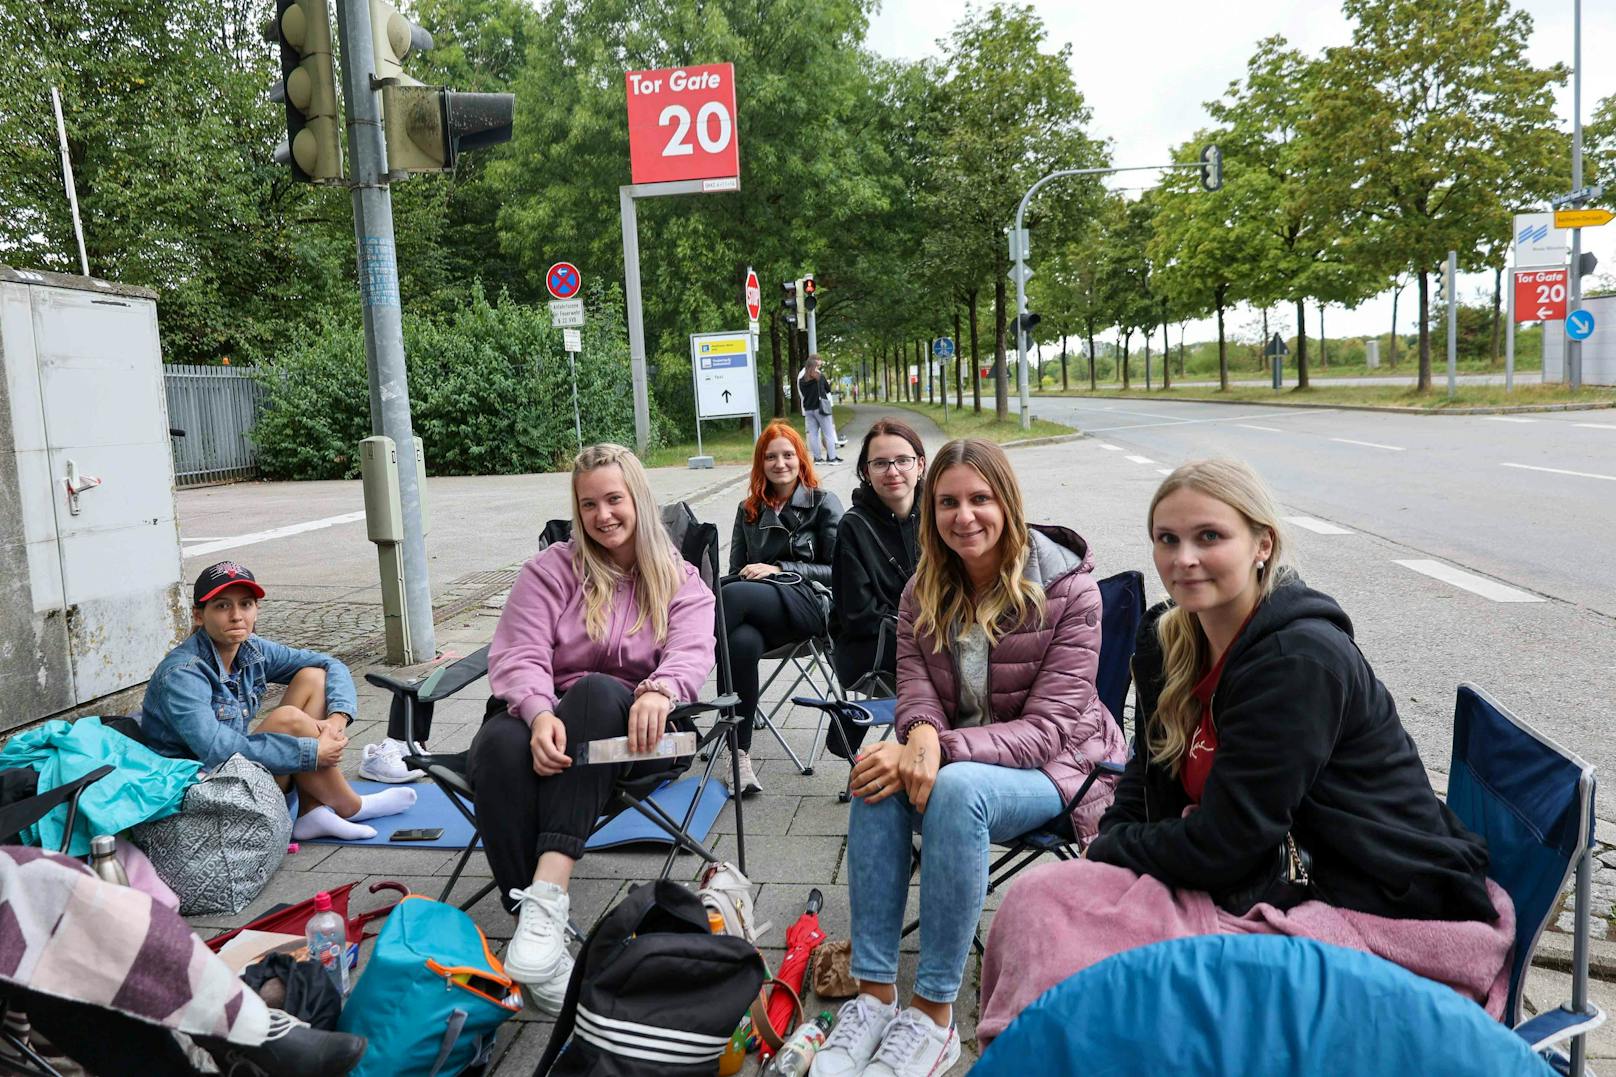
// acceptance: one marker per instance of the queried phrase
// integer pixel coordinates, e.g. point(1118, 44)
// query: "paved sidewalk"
point(796, 830)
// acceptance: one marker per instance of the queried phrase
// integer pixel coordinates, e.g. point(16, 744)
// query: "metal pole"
point(577, 423)
point(1579, 952)
point(67, 180)
point(383, 315)
point(636, 319)
point(1574, 292)
point(813, 334)
point(1509, 337)
point(1453, 323)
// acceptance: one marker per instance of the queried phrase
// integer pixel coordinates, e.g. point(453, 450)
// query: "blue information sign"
point(943, 348)
point(1579, 325)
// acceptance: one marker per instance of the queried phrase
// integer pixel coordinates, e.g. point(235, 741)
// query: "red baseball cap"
point(216, 578)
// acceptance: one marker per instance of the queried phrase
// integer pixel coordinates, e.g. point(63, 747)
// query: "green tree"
point(1414, 128)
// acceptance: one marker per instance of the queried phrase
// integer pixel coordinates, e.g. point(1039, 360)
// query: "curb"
point(1051, 439)
point(1396, 409)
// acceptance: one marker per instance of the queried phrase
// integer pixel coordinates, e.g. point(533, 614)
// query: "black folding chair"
point(410, 720)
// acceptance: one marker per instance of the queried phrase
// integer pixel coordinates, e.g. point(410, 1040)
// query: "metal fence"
point(216, 406)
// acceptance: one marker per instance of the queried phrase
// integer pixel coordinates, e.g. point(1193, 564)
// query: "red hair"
point(759, 494)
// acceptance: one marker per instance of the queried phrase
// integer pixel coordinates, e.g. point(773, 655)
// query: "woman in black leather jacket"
point(778, 589)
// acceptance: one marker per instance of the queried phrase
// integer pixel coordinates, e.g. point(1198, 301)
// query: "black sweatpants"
point(759, 620)
point(521, 814)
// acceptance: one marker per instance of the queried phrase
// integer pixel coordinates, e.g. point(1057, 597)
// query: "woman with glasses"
point(877, 550)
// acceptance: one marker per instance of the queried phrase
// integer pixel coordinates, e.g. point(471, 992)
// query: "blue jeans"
point(971, 805)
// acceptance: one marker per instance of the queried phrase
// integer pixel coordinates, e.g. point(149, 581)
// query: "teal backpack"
point(431, 996)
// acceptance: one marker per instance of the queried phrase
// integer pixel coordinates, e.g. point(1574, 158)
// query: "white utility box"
point(90, 591)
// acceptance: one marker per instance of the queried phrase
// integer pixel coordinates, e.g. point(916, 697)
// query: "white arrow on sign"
point(1543, 312)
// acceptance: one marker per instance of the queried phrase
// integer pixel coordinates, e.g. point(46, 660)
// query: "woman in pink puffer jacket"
point(998, 725)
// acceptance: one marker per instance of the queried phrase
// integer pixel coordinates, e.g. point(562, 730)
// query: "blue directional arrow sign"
point(1579, 325)
point(943, 348)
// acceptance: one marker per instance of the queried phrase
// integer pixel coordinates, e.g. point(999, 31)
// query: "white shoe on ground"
point(749, 781)
point(384, 762)
point(914, 1046)
point(537, 957)
point(853, 1040)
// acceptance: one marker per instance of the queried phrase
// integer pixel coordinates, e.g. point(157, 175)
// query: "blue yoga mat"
point(432, 809)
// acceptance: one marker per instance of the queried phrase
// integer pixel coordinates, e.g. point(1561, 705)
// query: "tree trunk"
point(1397, 293)
point(1167, 355)
point(1064, 384)
point(1218, 295)
point(774, 353)
point(1498, 298)
point(1147, 359)
point(1001, 380)
point(959, 354)
point(1301, 344)
point(1127, 337)
point(1424, 383)
point(1093, 384)
point(976, 362)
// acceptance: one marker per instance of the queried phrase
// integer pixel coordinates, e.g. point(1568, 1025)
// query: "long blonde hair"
point(658, 570)
point(943, 590)
point(1186, 654)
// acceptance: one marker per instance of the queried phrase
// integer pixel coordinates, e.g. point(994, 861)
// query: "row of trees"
point(1346, 172)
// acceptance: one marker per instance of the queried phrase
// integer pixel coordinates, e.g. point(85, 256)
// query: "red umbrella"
point(801, 938)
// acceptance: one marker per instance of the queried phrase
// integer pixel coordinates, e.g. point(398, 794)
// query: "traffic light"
point(1211, 168)
point(1026, 322)
point(308, 88)
point(427, 127)
point(809, 297)
point(788, 302)
point(1586, 263)
point(1442, 283)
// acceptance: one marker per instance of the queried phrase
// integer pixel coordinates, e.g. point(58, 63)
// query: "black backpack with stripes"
point(654, 991)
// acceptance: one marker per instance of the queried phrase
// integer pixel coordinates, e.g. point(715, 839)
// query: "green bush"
point(490, 392)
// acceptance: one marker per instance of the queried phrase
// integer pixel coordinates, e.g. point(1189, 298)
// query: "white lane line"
point(256, 537)
point(1596, 426)
point(1506, 419)
point(1264, 429)
point(1318, 527)
point(1164, 471)
point(1370, 444)
point(1308, 414)
point(1563, 471)
point(1141, 459)
point(1109, 448)
point(1469, 581)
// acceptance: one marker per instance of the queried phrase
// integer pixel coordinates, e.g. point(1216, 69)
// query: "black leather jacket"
point(800, 538)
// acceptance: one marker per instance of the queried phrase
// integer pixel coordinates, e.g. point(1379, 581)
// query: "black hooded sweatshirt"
point(876, 554)
point(1309, 742)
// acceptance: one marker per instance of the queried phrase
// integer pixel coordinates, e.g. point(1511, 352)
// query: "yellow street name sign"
point(1582, 218)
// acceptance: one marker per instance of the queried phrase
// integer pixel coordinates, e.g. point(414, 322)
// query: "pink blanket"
point(1105, 909)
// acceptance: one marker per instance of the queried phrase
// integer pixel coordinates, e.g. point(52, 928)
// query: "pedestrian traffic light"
point(1026, 322)
point(427, 127)
point(809, 296)
point(788, 302)
point(1211, 167)
point(308, 89)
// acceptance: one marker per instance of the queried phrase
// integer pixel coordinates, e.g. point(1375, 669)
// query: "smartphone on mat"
point(419, 833)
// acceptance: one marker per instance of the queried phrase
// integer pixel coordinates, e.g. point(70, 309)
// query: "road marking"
point(1164, 471)
point(1506, 419)
point(1109, 448)
point(1596, 426)
point(1308, 414)
point(1369, 444)
point(1141, 459)
point(1318, 527)
point(1563, 471)
point(256, 537)
point(1264, 429)
point(1469, 581)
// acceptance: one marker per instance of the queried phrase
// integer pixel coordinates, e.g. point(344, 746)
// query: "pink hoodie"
point(541, 649)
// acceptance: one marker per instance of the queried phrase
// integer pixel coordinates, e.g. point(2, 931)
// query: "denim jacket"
point(193, 711)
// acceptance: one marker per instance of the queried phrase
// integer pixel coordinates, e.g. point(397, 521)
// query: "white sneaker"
point(914, 1046)
point(859, 1026)
point(537, 957)
point(749, 782)
point(384, 762)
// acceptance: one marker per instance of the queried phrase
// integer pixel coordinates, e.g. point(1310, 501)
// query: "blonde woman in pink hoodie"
point(600, 637)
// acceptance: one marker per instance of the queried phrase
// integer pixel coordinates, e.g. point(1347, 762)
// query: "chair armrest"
point(442, 682)
point(725, 702)
point(1559, 1024)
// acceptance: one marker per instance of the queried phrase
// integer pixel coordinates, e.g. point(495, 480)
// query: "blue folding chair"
point(1533, 801)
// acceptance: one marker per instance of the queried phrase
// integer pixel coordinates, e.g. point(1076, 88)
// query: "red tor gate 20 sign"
point(1540, 295)
point(681, 124)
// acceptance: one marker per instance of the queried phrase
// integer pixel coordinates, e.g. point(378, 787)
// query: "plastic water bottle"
point(103, 861)
point(328, 940)
point(797, 1054)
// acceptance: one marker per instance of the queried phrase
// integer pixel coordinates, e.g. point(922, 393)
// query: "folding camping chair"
point(808, 659)
point(1534, 803)
point(413, 702)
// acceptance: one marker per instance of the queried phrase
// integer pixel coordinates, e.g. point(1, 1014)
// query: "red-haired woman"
point(780, 561)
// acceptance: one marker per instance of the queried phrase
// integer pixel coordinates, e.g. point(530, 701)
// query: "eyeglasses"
point(904, 465)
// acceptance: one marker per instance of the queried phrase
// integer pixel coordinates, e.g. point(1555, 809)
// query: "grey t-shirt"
point(971, 659)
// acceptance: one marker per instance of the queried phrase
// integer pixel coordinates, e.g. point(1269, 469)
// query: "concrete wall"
point(1598, 351)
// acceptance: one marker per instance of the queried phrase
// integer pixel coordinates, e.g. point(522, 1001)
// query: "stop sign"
point(754, 295)
point(681, 124)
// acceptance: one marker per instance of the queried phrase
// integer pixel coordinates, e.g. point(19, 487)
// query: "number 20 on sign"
point(681, 124)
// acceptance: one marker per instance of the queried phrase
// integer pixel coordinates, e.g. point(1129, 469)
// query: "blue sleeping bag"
point(1254, 1006)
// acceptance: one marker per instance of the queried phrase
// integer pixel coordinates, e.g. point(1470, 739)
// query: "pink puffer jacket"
point(1046, 713)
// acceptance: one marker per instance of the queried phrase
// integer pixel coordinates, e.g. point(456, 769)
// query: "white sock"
point(322, 822)
point(386, 802)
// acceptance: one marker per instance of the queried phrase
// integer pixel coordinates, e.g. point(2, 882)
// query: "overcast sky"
point(1146, 70)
